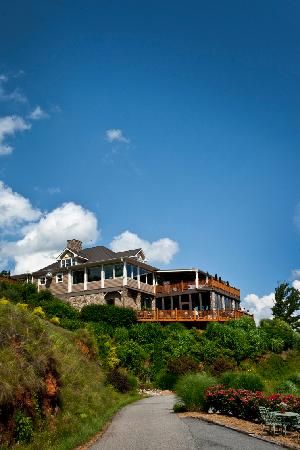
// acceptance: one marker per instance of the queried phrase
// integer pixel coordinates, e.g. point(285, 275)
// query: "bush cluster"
point(112, 315)
point(191, 389)
point(244, 404)
point(121, 380)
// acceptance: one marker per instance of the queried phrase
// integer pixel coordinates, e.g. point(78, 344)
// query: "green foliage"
point(131, 355)
point(222, 364)
point(147, 333)
point(71, 324)
point(113, 315)
point(243, 339)
point(182, 365)
point(121, 380)
point(24, 428)
point(279, 334)
point(287, 387)
point(190, 389)
point(295, 378)
point(287, 304)
point(165, 380)
point(179, 407)
point(240, 380)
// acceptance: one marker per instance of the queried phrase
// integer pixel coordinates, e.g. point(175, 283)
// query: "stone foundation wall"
point(79, 301)
point(124, 299)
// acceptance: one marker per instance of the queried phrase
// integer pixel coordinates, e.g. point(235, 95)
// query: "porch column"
point(223, 302)
point(180, 304)
point(124, 273)
point(102, 276)
point(190, 302)
point(138, 277)
point(69, 281)
point(162, 303)
point(233, 304)
point(85, 279)
point(154, 283)
point(212, 300)
point(172, 304)
point(153, 304)
point(200, 301)
point(197, 280)
point(38, 284)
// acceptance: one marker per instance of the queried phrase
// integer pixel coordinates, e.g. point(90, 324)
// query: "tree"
point(287, 305)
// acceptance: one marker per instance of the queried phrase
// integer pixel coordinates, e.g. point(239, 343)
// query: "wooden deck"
point(181, 286)
point(176, 315)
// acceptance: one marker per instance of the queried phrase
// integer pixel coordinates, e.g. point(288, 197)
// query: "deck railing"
point(178, 315)
point(182, 286)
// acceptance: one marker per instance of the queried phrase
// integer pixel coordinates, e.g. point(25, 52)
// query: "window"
point(109, 271)
point(43, 280)
point(78, 276)
point(129, 270)
point(59, 278)
point(118, 270)
point(134, 272)
point(94, 274)
point(68, 262)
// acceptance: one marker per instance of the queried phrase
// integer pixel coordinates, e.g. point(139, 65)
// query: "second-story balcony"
point(210, 283)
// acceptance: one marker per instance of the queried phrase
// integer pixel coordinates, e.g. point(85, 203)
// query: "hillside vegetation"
point(53, 393)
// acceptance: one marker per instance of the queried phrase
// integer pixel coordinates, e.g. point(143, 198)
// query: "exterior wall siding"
point(132, 283)
point(148, 288)
point(116, 282)
point(59, 288)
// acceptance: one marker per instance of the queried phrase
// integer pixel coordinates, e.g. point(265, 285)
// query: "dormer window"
point(68, 262)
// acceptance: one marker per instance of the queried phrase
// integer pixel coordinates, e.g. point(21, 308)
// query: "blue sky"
point(206, 95)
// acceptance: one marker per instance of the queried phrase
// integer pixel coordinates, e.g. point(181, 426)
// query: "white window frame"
point(59, 275)
point(44, 281)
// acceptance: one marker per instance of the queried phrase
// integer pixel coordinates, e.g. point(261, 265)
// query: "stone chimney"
point(75, 245)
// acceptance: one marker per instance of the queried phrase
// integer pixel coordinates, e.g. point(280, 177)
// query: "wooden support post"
point(163, 303)
point(200, 301)
point(190, 302)
point(176, 313)
point(172, 303)
point(181, 286)
point(180, 305)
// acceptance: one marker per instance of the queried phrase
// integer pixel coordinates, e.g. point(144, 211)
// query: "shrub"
point(132, 356)
point(295, 378)
point(57, 308)
point(249, 381)
point(113, 315)
point(287, 387)
point(55, 320)
point(190, 389)
point(38, 311)
point(182, 365)
point(244, 404)
point(71, 324)
point(165, 380)
point(222, 364)
point(24, 428)
point(179, 407)
point(121, 380)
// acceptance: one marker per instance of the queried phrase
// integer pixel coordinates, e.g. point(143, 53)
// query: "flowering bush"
point(244, 404)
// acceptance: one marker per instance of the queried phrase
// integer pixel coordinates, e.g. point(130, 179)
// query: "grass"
point(29, 346)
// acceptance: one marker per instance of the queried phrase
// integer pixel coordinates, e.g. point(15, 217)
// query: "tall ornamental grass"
point(190, 389)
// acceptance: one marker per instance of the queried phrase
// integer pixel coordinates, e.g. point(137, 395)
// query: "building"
point(98, 275)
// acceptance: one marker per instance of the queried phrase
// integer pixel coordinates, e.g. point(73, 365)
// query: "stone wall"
point(125, 298)
point(79, 301)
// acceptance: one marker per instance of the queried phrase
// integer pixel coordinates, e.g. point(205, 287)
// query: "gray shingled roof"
point(94, 254)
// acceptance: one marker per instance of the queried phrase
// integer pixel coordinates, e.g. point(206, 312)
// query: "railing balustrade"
point(158, 315)
point(182, 286)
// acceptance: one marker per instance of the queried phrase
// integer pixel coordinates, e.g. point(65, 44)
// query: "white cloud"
point(116, 135)
point(260, 306)
point(9, 125)
point(296, 284)
point(38, 114)
point(43, 240)
point(160, 251)
point(15, 209)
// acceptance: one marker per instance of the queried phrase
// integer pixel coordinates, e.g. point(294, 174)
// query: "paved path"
point(150, 424)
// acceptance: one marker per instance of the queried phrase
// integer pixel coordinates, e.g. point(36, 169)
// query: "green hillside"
point(52, 388)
